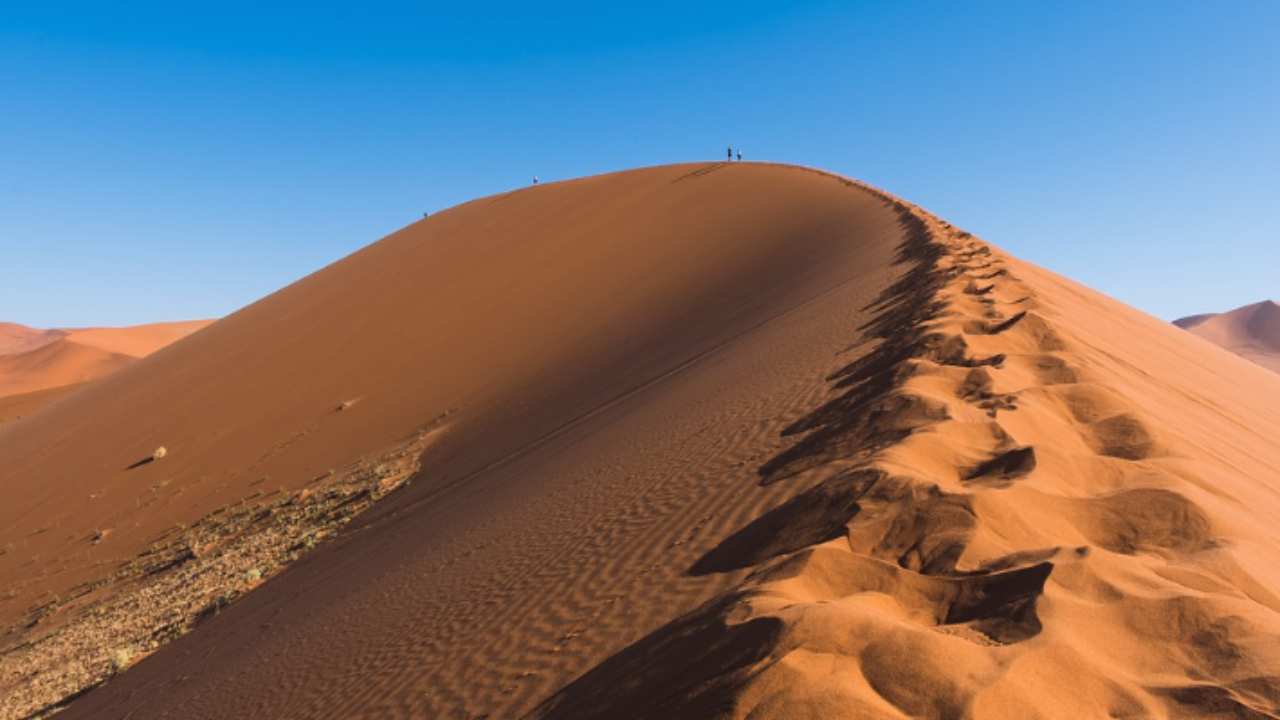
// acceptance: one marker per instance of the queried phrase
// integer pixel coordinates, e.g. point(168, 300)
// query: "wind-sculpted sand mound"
point(61, 362)
point(135, 340)
point(15, 338)
point(41, 365)
point(619, 486)
point(1252, 331)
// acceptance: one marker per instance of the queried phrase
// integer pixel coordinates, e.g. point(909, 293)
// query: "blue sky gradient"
point(160, 163)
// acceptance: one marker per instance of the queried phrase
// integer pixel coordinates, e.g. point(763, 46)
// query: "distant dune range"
point(1252, 331)
point(33, 360)
point(707, 440)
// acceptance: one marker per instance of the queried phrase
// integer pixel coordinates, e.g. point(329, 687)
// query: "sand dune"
point(34, 360)
point(135, 340)
point(61, 362)
point(1252, 331)
point(738, 441)
point(15, 338)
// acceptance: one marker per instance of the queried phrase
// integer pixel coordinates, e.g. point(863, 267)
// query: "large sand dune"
point(1252, 331)
point(16, 338)
point(693, 441)
point(61, 362)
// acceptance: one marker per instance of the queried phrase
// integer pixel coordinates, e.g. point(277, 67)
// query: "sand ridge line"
point(885, 590)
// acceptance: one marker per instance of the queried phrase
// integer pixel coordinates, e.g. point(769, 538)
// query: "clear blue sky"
point(158, 162)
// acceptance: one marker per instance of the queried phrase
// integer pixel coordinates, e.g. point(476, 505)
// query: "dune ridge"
point(993, 527)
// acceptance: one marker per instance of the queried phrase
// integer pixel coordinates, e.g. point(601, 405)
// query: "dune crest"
point(1252, 331)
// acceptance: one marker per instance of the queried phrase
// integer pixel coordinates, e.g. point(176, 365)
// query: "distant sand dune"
point(61, 362)
point(1252, 331)
point(135, 340)
point(15, 338)
point(33, 360)
point(699, 441)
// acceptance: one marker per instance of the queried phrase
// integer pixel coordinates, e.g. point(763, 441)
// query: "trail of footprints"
point(980, 334)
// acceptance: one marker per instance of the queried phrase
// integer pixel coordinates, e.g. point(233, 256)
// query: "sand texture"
point(739, 441)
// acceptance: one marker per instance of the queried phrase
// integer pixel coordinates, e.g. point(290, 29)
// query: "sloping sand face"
point(839, 459)
point(1252, 331)
point(604, 362)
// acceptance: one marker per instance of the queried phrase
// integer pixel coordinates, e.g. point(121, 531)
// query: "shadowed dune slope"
point(538, 327)
point(710, 441)
point(1252, 331)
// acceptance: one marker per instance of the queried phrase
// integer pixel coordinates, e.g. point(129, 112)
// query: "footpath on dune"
point(1010, 497)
